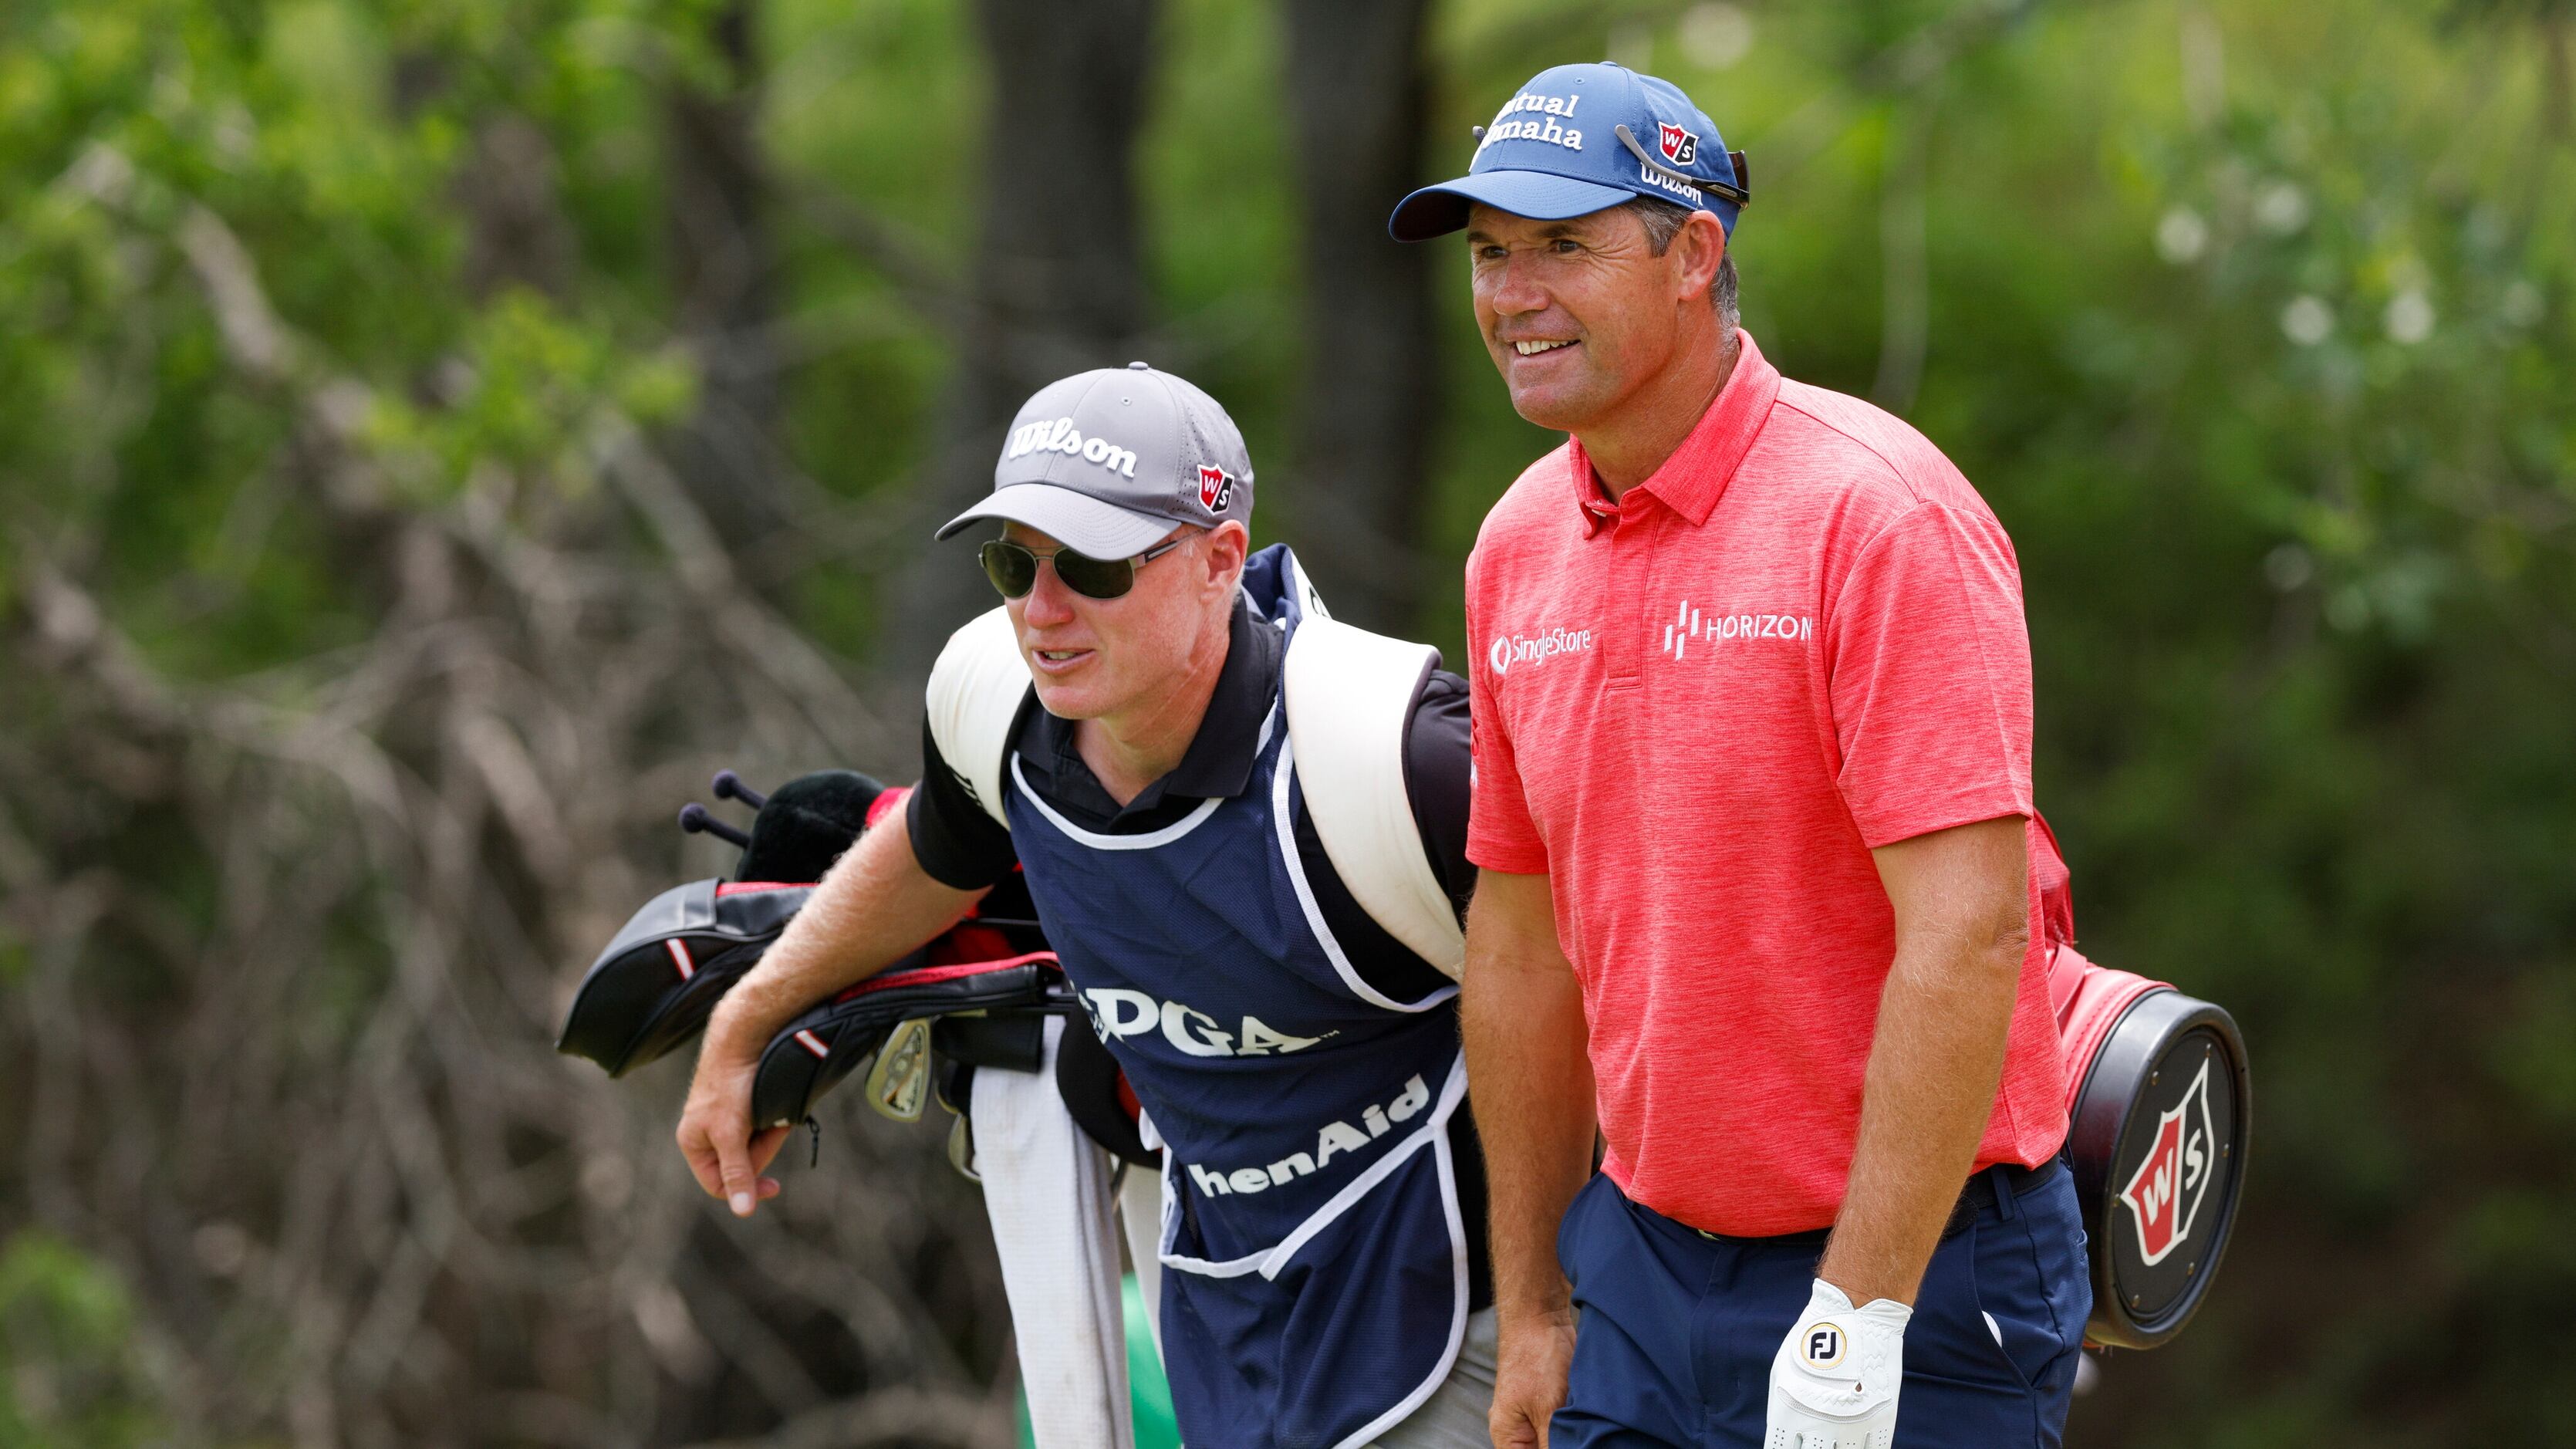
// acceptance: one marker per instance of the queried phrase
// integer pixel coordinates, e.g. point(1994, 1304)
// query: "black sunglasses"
point(1013, 568)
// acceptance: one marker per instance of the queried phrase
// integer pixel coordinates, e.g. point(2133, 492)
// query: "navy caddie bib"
point(1315, 1283)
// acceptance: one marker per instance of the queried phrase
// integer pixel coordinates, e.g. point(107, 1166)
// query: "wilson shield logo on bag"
point(2165, 1194)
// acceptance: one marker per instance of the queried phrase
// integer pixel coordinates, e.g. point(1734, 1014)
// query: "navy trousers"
point(1677, 1329)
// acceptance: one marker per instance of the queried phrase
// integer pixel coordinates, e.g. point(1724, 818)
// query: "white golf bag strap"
point(1350, 696)
point(974, 695)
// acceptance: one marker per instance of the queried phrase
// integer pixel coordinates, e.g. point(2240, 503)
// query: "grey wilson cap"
point(1108, 462)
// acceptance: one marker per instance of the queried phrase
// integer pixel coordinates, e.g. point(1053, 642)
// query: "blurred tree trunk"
point(1058, 280)
point(724, 286)
point(1370, 395)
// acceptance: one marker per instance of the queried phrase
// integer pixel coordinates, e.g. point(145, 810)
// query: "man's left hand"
point(1834, 1380)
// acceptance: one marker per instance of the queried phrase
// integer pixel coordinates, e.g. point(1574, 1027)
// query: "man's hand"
point(1530, 1369)
point(876, 904)
point(1835, 1379)
point(715, 1134)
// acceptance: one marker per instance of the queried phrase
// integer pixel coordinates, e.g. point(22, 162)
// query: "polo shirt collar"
point(1218, 763)
point(1692, 480)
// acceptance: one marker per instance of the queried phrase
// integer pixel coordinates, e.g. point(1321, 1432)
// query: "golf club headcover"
point(655, 985)
point(816, 1050)
point(805, 825)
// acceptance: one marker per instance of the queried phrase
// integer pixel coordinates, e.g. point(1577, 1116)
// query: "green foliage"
point(70, 1377)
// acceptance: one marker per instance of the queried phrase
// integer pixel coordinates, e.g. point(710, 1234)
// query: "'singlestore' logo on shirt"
point(1517, 650)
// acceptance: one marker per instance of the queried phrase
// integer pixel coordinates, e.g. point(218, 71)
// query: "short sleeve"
point(1500, 833)
point(958, 845)
point(1929, 667)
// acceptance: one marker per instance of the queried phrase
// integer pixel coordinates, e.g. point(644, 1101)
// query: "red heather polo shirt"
point(1697, 710)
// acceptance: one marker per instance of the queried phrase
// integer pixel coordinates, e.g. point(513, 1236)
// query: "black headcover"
point(805, 825)
point(816, 1050)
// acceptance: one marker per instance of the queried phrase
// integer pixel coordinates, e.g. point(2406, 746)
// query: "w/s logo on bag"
point(2165, 1193)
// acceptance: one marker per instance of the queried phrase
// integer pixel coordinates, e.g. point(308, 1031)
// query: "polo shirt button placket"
point(1632, 556)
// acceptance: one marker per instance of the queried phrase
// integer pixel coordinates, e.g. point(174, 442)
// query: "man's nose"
point(1050, 602)
point(1513, 289)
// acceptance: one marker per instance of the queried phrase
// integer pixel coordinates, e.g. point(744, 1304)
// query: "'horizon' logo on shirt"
point(1688, 624)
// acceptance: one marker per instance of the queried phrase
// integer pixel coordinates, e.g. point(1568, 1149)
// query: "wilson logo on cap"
point(1216, 488)
point(1061, 436)
point(1680, 147)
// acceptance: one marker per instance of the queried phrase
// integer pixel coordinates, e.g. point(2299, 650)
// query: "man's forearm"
point(875, 905)
point(1530, 1084)
point(1930, 1089)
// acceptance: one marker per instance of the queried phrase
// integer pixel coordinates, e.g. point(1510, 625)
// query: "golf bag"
point(973, 1020)
point(2159, 1107)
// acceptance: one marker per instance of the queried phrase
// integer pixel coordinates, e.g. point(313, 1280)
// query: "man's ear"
point(1697, 250)
point(1223, 551)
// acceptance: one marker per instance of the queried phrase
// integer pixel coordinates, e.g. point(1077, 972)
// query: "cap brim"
point(1538, 195)
point(1076, 520)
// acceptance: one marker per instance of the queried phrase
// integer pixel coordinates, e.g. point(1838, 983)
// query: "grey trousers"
point(1454, 1416)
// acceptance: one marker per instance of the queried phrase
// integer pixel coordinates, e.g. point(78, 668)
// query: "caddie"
point(1244, 828)
point(1752, 719)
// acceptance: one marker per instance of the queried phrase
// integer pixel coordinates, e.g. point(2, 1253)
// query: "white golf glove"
point(1834, 1380)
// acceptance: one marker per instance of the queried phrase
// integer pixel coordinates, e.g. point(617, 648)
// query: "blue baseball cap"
point(1578, 138)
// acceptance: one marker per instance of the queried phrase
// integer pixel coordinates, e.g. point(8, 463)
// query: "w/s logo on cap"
point(1216, 488)
point(1680, 147)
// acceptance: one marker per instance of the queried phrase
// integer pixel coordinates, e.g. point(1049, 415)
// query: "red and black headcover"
point(655, 985)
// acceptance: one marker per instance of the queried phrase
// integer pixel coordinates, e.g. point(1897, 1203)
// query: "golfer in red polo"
point(1752, 721)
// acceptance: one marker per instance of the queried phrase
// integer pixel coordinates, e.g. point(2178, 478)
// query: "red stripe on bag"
point(925, 975)
point(680, 956)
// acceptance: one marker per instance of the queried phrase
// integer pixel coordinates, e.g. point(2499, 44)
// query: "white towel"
point(1047, 1190)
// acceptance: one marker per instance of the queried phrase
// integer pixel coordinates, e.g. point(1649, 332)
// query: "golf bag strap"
point(1350, 697)
point(973, 699)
